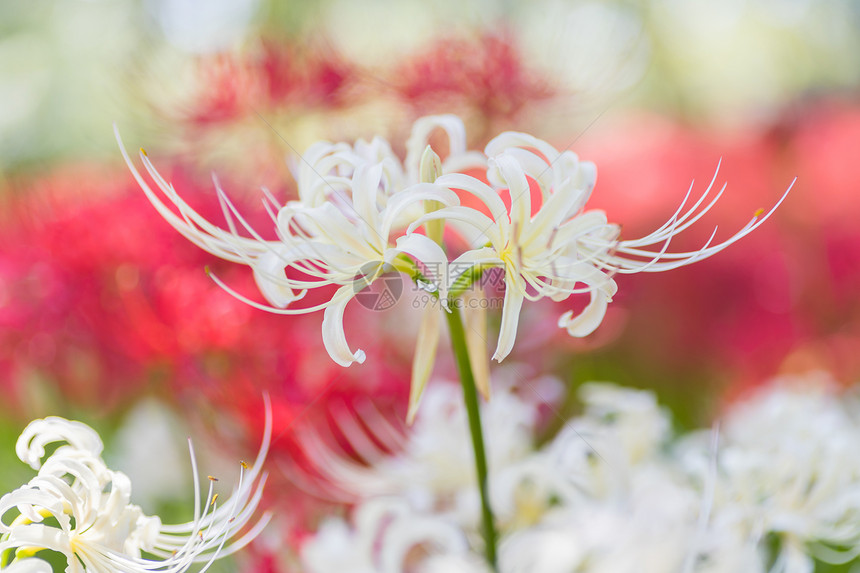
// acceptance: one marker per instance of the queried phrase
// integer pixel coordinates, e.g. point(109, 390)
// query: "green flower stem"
point(470, 396)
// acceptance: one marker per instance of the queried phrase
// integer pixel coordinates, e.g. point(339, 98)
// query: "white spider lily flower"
point(80, 508)
point(789, 470)
point(346, 228)
point(348, 243)
point(556, 249)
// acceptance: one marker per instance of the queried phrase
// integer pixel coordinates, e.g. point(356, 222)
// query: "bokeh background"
point(107, 316)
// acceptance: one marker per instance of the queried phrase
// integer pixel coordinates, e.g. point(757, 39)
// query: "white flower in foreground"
point(547, 244)
point(78, 507)
point(789, 468)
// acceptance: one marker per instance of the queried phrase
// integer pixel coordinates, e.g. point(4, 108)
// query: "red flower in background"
point(485, 73)
point(271, 76)
point(481, 74)
point(786, 298)
point(106, 302)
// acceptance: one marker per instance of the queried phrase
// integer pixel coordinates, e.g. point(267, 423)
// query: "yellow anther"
point(213, 478)
point(143, 151)
point(244, 465)
point(214, 499)
point(758, 213)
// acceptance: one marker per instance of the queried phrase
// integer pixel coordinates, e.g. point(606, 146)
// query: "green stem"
point(470, 396)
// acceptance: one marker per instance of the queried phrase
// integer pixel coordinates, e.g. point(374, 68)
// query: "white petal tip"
point(564, 319)
point(578, 326)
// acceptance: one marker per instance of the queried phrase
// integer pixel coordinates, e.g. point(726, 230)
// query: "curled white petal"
point(97, 527)
point(333, 334)
point(30, 446)
point(510, 319)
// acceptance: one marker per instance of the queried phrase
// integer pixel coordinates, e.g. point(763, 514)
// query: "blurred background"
point(107, 316)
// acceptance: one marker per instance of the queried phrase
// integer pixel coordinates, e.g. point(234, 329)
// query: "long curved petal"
point(333, 335)
point(506, 171)
point(501, 142)
point(483, 192)
point(468, 216)
point(510, 320)
point(589, 319)
point(418, 192)
point(421, 131)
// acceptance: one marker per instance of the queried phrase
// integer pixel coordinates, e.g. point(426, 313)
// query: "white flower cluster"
point(360, 212)
point(78, 507)
point(774, 488)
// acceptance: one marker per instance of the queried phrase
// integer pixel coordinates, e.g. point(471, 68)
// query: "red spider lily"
point(270, 76)
point(485, 74)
